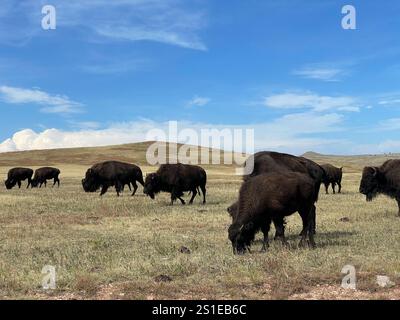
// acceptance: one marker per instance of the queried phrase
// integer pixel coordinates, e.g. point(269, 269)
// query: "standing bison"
point(384, 179)
point(16, 175)
point(176, 179)
point(268, 162)
point(112, 173)
point(333, 176)
point(271, 197)
point(43, 174)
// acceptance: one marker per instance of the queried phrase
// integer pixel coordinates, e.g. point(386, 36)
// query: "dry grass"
point(116, 248)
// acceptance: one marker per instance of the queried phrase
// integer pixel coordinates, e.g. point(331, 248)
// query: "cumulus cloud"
point(312, 101)
point(50, 103)
point(294, 133)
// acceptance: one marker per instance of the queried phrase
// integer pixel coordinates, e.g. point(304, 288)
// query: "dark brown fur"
point(269, 161)
point(43, 174)
point(271, 197)
point(16, 175)
point(176, 179)
point(382, 180)
point(333, 176)
point(112, 173)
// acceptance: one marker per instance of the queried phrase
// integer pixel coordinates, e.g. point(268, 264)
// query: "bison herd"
point(278, 186)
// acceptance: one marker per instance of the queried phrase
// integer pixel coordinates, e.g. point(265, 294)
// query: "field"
point(130, 247)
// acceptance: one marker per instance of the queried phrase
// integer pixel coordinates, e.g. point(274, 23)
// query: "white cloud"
point(389, 102)
point(294, 133)
point(311, 101)
point(199, 101)
point(50, 103)
point(164, 21)
point(324, 74)
point(389, 124)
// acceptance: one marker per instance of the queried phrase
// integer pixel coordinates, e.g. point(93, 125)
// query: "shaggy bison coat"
point(112, 173)
point(269, 161)
point(16, 175)
point(332, 177)
point(43, 174)
point(271, 197)
point(176, 179)
point(382, 180)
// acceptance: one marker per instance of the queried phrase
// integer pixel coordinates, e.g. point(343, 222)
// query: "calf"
point(16, 175)
point(272, 197)
point(43, 174)
point(333, 176)
point(176, 179)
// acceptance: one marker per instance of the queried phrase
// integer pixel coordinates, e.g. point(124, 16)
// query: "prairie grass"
point(115, 248)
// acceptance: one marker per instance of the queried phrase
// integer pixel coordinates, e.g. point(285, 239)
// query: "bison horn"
point(375, 170)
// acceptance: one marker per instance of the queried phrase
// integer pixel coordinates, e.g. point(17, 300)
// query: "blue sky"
point(112, 70)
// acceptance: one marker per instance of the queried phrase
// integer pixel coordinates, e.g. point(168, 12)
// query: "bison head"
point(241, 237)
point(89, 183)
point(10, 183)
point(152, 185)
point(370, 182)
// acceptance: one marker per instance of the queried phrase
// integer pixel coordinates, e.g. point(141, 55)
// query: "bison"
point(43, 174)
point(382, 180)
point(271, 197)
point(176, 179)
point(16, 175)
point(269, 161)
point(112, 173)
point(333, 176)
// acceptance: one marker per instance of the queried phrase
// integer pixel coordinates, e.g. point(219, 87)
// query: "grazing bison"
point(16, 175)
point(271, 197)
point(268, 161)
point(384, 179)
point(176, 179)
point(333, 176)
point(43, 174)
point(112, 173)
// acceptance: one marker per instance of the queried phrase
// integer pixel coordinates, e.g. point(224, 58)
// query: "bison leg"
point(265, 230)
point(398, 204)
point(29, 183)
point(19, 184)
point(308, 217)
point(326, 188)
point(182, 201)
point(280, 229)
point(333, 187)
point(104, 189)
point(203, 189)
point(135, 186)
point(194, 193)
point(340, 187)
point(175, 194)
